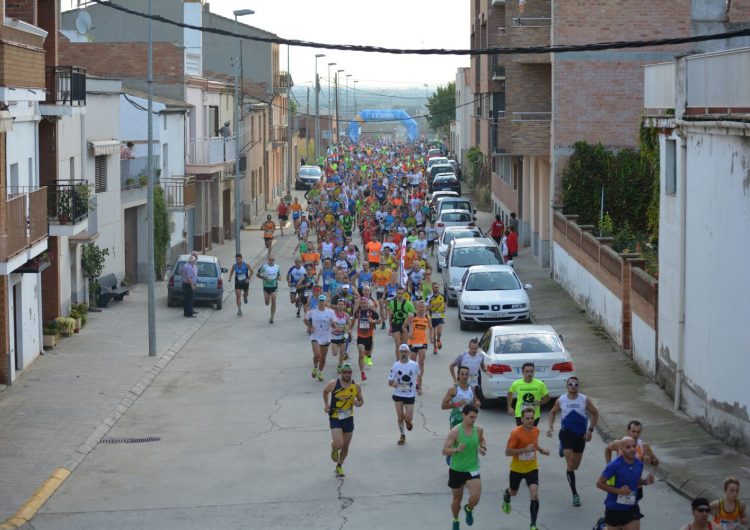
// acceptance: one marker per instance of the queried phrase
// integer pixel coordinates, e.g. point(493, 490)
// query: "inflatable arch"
point(366, 115)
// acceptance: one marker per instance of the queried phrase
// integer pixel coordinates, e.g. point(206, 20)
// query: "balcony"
point(68, 207)
point(281, 82)
point(658, 87)
point(210, 155)
point(530, 133)
point(179, 192)
point(25, 234)
point(134, 179)
point(531, 32)
point(717, 83)
point(66, 90)
point(21, 55)
point(280, 134)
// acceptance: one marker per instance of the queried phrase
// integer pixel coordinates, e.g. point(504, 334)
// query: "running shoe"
point(364, 376)
point(533, 527)
point(401, 440)
point(368, 360)
point(434, 351)
point(244, 296)
point(314, 373)
point(297, 313)
point(506, 502)
point(270, 320)
point(409, 425)
point(382, 325)
point(576, 500)
point(456, 525)
point(469, 515)
point(340, 471)
point(334, 454)
point(320, 375)
point(239, 312)
point(440, 344)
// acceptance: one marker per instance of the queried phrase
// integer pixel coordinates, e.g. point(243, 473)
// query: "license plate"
point(200, 285)
point(496, 315)
point(537, 369)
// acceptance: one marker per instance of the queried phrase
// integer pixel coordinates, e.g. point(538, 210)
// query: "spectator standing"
point(189, 277)
point(497, 229)
point(512, 242)
point(513, 223)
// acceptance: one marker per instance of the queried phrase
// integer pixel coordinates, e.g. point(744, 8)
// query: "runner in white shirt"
point(473, 360)
point(403, 379)
point(319, 322)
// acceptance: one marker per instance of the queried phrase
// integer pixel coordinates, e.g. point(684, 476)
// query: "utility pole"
point(289, 123)
point(317, 107)
point(307, 128)
point(150, 262)
point(338, 131)
point(237, 181)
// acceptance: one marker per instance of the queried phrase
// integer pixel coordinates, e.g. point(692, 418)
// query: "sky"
point(390, 23)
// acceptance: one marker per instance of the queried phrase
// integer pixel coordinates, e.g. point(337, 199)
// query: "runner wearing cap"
point(319, 322)
point(340, 396)
point(403, 378)
point(701, 514)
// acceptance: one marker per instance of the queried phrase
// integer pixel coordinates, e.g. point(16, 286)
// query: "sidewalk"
point(693, 462)
point(66, 401)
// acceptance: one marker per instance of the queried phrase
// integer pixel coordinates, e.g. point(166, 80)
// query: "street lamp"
point(329, 95)
point(346, 114)
point(237, 182)
point(355, 97)
point(337, 102)
point(317, 107)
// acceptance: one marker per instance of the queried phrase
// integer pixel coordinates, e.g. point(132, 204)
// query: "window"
point(72, 162)
point(527, 343)
point(100, 173)
point(466, 257)
point(165, 160)
point(670, 167)
point(492, 281)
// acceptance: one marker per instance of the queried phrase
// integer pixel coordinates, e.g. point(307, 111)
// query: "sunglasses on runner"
point(572, 384)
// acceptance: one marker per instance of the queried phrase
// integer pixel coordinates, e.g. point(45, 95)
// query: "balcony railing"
point(717, 82)
point(179, 192)
point(66, 85)
point(532, 22)
point(68, 201)
point(281, 82)
point(210, 151)
point(280, 133)
point(25, 220)
point(134, 172)
point(531, 116)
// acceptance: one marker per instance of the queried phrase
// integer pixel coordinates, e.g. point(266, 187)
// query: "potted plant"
point(66, 325)
point(143, 179)
point(51, 334)
point(82, 310)
point(76, 316)
point(129, 181)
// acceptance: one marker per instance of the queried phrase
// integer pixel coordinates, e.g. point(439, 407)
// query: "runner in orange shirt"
point(269, 227)
point(419, 329)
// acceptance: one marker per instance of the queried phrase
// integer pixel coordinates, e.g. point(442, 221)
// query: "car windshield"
point(310, 172)
point(450, 236)
point(527, 343)
point(492, 281)
point(456, 217)
point(445, 178)
point(455, 205)
point(207, 269)
point(466, 257)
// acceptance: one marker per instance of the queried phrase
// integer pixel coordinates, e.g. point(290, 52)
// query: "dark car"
point(308, 177)
point(439, 169)
point(445, 181)
point(456, 168)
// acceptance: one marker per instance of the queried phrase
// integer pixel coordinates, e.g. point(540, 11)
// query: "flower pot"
point(50, 341)
point(66, 333)
point(77, 327)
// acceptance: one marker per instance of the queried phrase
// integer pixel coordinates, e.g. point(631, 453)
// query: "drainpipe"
point(680, 104)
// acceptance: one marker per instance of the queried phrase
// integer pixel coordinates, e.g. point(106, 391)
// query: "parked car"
point(438, 169)
point(440, 195)
point(445, 181)
point(433, 153)
point(210, 286)
point(491, 294)
point(448, 235)
point(308, 177)
point(435, 160)
point(462, 254)
point(506, 348)
point(457, 203)
point(456, 169)
point(453, 218)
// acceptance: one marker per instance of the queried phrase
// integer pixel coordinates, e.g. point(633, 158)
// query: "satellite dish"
point(84, 24)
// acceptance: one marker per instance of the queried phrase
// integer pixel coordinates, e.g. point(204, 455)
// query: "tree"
point(442, 107)
point(92, 263)
point(161, 232)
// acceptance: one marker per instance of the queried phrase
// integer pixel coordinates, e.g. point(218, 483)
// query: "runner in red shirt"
point(497, 229)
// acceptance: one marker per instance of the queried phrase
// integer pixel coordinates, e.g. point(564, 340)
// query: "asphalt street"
point(244, 443)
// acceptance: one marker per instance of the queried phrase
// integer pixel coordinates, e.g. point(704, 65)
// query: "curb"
point(32, 505)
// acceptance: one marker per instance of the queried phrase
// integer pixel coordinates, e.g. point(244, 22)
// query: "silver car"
point(506, 348)
point(210, 286)
point(451, 233)
point(454, 218)
point(492, 294)
point(462, 254)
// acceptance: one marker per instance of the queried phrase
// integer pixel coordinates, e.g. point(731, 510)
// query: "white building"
point(704, 296)
point(462, 134)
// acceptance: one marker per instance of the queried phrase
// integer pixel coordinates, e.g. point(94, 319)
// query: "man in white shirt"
point(319, 323)
point(403, 379)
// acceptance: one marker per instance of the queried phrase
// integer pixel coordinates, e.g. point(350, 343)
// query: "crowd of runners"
point(362, 275)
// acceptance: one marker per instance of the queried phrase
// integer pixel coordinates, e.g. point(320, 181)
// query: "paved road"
point(245, 443)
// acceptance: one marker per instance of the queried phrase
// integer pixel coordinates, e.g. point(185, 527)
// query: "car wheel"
point(487, 403)
point(219, 304)
point(465, 326)
point(439, 268)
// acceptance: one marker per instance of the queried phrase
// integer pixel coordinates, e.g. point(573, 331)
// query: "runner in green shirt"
point(530, 392)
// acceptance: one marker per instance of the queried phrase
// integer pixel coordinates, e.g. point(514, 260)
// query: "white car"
point(506, 348)
point(451, 233)
point(462, 254)
point(453, 218)
point(491, 294)
point(436, 160)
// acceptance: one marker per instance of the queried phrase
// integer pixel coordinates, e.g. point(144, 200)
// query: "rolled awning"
point(105, 147)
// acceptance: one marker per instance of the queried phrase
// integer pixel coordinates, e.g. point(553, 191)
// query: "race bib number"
point(404, 387)
point(292, 289)
point(343, 414)
point(528, 456)
point(380, 290)
point(308, 294)
point(626, 499)
point(364, 324)
point(365, 284)
point(241, 277)
point(435, 314)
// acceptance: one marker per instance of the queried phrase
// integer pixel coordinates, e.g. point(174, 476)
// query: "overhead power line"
point(439, 51)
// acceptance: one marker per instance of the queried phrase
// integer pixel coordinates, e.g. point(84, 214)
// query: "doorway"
point(227, 213)
point(17, 342)
point(131, 244)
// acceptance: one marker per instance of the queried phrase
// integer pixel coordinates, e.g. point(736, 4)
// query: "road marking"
point(28, 509)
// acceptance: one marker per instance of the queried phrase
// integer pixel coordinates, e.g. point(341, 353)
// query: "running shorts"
point(241, 286)
point(346, 425)
point(617, 518)
point(396, 327)
point(403, 399)
point(366, 342)
point(532, 477)
point(571, 440)
point(416, 347)
point(457, 479)
point(437, 322)
point(269, 290)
